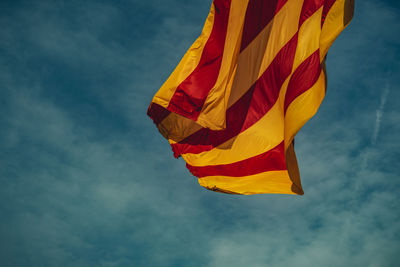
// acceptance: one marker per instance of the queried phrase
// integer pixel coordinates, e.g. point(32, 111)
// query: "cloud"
point(86, 180)
point(379, 113)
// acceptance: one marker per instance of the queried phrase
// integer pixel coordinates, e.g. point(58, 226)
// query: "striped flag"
point(242, 91)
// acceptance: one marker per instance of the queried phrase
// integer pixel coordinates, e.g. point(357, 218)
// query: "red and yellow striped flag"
point(253, 78)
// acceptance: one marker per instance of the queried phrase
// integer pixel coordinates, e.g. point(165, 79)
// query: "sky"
point(87, 180)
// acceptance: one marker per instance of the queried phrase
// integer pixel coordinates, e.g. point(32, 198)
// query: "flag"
point(246, 86)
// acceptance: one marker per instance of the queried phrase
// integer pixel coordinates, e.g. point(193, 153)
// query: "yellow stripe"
point(258, 55)
point(303, 108)
point(250, 142)
point(336, 20)
point(308, 43)
point(251, 64)
point(186, 66)
point(293, 169)
point(307, 104)
point(176, 127)
point(308, 39)
point(262, 136)
point(213, 113)
point(274, 182)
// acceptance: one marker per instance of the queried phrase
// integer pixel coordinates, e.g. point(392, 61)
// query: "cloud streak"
point(379, 113)
point(86, 180)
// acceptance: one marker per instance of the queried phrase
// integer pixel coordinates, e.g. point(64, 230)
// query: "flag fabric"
point(242, 91)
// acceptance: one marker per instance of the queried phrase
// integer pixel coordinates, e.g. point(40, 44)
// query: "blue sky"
point(87, 180)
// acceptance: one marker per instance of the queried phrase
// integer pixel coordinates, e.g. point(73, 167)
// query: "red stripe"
point(327, 6)
point(272, 160)
point(309, 8)
point(258, 14)
point(206, 139)
point(303, 78)
point(157, 113)
point(248, 109)
point(308, 71)
point(191, 94)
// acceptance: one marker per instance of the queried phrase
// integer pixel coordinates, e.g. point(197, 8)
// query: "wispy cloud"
point(86, 180)
point(379, 112)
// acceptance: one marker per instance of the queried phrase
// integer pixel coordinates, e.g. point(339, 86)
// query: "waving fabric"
point(242, 91)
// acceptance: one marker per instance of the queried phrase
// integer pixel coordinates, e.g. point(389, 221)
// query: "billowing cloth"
point(252, 79)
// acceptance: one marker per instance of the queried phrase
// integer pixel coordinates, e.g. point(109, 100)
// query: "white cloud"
point(72, 198)
point(379, 113)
